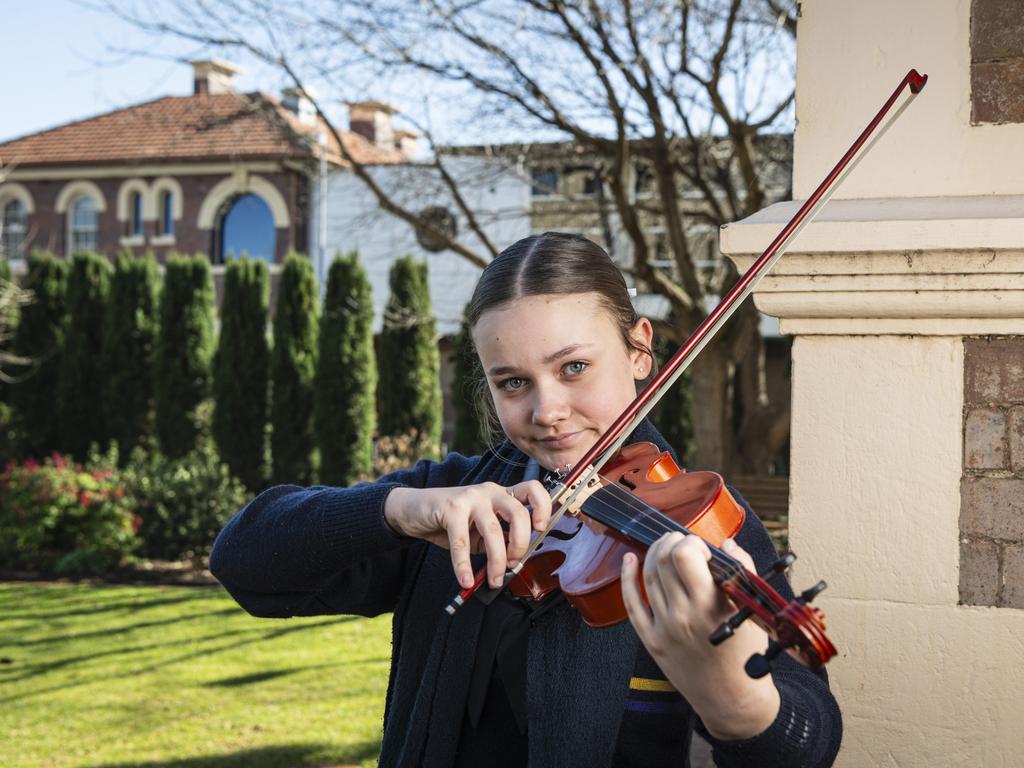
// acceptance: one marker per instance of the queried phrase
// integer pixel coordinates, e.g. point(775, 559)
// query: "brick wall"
point(997, 61)
point(48, 229)
point(992, 487)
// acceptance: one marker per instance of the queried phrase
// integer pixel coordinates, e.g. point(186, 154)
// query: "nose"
point(550, 405)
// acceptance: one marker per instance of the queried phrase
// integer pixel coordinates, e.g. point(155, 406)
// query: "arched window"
point(247, 227)
point(165, 213)
point(15, 225)
point(135, 214)
point(83, 225)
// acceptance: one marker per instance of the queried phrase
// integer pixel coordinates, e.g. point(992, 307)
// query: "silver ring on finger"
point(510, 492)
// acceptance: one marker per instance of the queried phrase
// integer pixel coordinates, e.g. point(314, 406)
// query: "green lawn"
point(182, 678)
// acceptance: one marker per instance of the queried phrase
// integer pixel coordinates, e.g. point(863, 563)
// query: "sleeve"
point(305, 551)
point(808, 729)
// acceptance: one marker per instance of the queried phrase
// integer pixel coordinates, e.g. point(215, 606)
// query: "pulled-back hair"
point(551, 263)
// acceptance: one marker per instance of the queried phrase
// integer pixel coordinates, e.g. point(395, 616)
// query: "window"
point(15, 225)
point(247, 227)
point(135, 214)
point(592, 183)
point(165, 224)
point(84, 226)
point(545, 181)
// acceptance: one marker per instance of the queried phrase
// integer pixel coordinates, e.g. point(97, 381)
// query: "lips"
point(557, 442)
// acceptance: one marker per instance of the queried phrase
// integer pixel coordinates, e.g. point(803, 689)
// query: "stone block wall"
point(992, 486)
point(997, 61)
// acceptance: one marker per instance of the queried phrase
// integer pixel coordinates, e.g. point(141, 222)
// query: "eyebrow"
point(501, 370)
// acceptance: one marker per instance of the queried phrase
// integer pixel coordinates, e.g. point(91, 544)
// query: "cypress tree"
point(11, 298)
point(293, 368)
point(129, 340)
point(469, 438)
point(80, 390)
point(241, 371)
point(184, 347)
point(410, 362)
point(346, 377)
point(673, 416)
point(40, 337)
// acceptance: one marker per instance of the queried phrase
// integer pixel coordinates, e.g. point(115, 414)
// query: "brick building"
point(216, 172)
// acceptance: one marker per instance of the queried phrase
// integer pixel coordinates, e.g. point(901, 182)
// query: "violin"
point(616, 500)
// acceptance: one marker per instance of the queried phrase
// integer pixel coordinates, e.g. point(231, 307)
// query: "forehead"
point(531, 328)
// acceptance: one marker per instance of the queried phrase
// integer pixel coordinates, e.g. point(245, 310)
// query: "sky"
point(61, 63)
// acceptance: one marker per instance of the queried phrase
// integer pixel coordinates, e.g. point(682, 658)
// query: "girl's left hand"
point(683, 609)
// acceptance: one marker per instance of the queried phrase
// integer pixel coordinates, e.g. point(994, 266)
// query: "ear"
point(642, 334)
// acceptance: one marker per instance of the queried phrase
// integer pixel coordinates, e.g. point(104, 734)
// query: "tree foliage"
point(470, 436)
point(293, 371)
point(672, 108)
point(39, 339)
point(241, 371)
point(129, 341)
point(184, 348)
point(346, 378)
point(410, 366)
point(80, 397)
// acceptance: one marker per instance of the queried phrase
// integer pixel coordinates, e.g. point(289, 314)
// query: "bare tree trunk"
point(712, 410)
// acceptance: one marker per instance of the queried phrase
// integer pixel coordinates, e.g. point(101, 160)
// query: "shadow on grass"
point(252, 635)
point(261, 677)
point(277, 756)
point(77, 607)
point(121, 629)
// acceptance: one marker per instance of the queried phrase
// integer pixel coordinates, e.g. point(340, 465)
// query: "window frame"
point(20, 228)
point(75, 230)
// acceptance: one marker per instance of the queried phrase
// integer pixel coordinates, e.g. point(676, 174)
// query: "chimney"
point(372, 120)
point(299, 102)
point(407, 142)
point(213, 76)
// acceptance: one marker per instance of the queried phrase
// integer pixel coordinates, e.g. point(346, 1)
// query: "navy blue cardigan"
point(302, 552)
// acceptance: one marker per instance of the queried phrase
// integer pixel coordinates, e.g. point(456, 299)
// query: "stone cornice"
point(929, 266)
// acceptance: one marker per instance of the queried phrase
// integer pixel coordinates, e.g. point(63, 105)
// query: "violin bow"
point(575, 485)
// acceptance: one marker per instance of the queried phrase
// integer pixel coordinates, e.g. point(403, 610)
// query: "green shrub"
point(184, 348)
point(181, 504)
point(673, 416)
point(241, 371)
point(40, 337)
point(410, 392)
point(346, 378)
point(58, 515)
point(293, 370)
point(129, 337)
point(82, 375)
point(469, 437)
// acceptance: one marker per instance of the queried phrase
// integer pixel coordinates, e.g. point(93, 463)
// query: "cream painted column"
point(879, 294)
point(922, 246)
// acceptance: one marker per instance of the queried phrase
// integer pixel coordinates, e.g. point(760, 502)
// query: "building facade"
point(216, 172)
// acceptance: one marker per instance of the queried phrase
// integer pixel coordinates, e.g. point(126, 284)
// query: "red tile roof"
point(203, 128)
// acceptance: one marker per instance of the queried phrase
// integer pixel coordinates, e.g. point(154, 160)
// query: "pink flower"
point(30, 464)
point(58, 460)
point(83, 499)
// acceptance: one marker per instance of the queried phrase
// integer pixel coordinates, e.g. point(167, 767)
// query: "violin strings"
point(632, 526)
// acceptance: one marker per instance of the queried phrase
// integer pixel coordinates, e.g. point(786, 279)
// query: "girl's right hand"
point(467, 520)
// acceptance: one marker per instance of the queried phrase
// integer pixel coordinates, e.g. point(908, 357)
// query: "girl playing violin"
point(513, 683)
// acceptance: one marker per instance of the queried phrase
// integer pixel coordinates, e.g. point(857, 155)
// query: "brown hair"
point(551, 263)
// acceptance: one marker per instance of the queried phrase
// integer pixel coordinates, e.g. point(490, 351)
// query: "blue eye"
point(512, 384)
point(576, 367)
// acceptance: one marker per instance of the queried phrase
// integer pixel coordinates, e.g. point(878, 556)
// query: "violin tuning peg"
point(760, 664)
point(779, 566)
point(811, 592)
point(784, 563)
point(726, 629)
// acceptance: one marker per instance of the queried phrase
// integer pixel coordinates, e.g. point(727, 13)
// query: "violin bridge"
point(577, 495)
